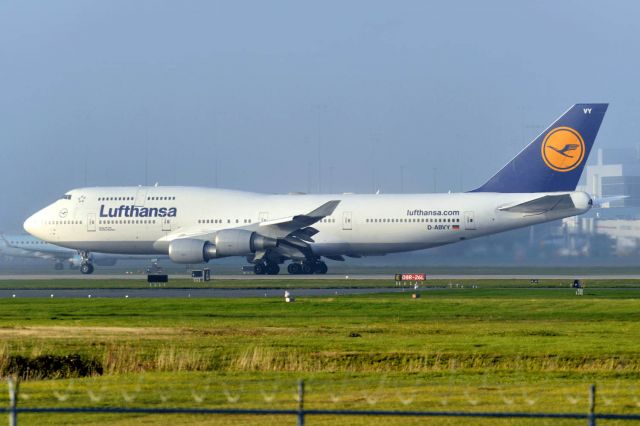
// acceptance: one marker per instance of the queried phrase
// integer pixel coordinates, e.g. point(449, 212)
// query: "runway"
point(178, 293)
point(388, 277)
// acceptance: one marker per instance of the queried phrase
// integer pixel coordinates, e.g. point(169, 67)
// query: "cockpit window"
point(66, 197)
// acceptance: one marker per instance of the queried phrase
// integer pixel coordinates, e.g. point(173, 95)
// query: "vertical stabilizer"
point(555, 159)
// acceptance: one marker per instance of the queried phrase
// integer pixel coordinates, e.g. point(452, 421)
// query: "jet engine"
point(228, 242)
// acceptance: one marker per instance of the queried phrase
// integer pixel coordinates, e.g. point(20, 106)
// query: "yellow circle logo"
point(563, 149)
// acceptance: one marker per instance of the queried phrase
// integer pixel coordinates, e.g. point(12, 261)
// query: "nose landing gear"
point(86, 266)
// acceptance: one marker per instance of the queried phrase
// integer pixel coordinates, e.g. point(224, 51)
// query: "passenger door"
point(469, 221)
point(91, 222)
point(347, 220)
point(141, 196)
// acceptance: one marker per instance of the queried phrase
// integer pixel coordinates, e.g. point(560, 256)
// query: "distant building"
point(615, 172)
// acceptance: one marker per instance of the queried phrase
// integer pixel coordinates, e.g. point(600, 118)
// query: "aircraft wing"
point(541, 205)
point(298, 226)
point(281, 228)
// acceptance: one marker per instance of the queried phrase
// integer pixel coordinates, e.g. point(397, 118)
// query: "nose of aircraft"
point(31, 225)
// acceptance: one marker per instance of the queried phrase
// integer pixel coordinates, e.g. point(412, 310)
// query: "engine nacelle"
point(75, 261)
point(190, 250)
point(228, 242)
point(240, 242)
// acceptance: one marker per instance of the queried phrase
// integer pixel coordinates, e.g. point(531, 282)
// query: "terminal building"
point(616, 172)
point(616, 224)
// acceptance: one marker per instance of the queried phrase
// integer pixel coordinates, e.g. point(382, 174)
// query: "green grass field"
point(503, 346)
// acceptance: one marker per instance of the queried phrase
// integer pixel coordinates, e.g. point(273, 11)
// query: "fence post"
point(301, 402)
point(13, 401)
point(592, 405)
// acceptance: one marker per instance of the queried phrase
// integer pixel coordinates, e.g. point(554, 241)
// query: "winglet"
point(283, 227)
point(324, 210)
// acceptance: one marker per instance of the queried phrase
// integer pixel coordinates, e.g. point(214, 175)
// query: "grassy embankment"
point(472, 349)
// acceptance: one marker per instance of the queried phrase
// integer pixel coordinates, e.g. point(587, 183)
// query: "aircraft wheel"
point(294, 268)
point(321, 268)
point(273, 269)
point(307, 268)
point(260, 269)
point(58, 266)
point(86, 268)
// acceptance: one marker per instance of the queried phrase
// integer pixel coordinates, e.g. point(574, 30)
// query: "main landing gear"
point(266, 268)
point(294, 268)
point(86, 266)
point(306, 268)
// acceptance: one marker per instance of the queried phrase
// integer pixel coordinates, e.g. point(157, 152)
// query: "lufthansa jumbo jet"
point(193, 224)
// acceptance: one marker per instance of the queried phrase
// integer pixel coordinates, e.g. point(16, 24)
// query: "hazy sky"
point(278, 96)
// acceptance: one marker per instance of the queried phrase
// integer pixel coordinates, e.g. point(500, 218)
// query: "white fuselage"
point(142, 220)
point(31, 247)
point(28, 246)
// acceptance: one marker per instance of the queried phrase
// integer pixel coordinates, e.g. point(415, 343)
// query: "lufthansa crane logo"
point(63, 213)
point(563, 149)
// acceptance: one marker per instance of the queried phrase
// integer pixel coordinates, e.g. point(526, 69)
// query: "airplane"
point(27, 246)
point(196, 224)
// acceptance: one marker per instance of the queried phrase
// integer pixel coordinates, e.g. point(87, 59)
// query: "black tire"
point(273, 269)
point(307, 268)
point(259, 269)
point(86, 268)
point(294, 268)
point(58, 266)
point(321, 268)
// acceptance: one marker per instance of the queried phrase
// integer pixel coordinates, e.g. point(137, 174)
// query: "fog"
point(297, 96)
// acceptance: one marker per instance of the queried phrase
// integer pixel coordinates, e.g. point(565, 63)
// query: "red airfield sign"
point(411, 277)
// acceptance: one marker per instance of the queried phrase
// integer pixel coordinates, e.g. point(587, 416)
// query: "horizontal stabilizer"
point(541, 205)
point(606, 201)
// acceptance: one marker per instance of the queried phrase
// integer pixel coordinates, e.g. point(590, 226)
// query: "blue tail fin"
point(555, 159)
